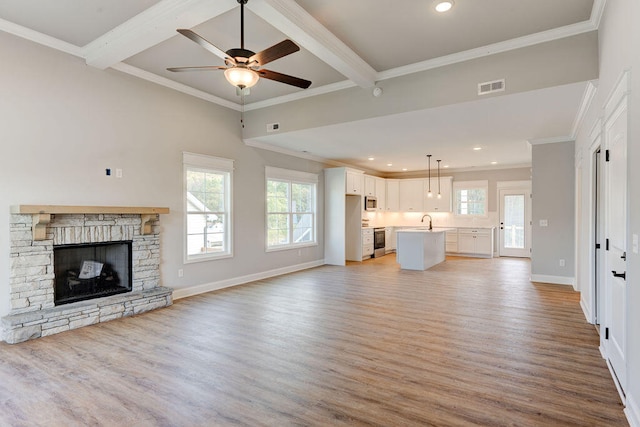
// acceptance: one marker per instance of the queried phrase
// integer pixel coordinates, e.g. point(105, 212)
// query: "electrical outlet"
point(118, 173)
point(561, 263)
point(634, 243)
point(544, 223)
point(180, 272)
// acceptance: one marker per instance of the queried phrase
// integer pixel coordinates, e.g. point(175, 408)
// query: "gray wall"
point(553, 200)
point(569, 60)
point(63, 123)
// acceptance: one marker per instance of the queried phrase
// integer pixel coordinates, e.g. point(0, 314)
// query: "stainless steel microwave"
point(370, 203)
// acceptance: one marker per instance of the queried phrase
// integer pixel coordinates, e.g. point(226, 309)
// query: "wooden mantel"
point(42, 214)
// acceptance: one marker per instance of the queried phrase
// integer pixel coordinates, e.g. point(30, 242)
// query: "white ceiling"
point(343, 43)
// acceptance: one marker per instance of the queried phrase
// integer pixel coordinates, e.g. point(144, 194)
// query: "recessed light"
point(389, 164)
point(404, 169)
point(477, 148)
point(494, 163)
point(444, 6)
point(445, 166)
point(372, 158)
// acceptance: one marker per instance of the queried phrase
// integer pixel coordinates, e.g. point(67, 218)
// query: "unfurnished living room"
point(305, 212)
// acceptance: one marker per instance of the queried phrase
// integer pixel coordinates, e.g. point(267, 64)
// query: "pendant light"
point(439, 195)
point(429, 193)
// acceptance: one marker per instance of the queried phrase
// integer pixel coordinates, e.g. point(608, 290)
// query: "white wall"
point(63, 123)
point(619, 40)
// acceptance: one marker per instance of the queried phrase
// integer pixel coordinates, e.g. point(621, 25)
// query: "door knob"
point(623, 275)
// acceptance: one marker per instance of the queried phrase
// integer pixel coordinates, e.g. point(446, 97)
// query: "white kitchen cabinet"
point(476, 241)
point(412, 195)
point(367, 243)
point(369, 185)
point(381, 193)
point(393, 195)
point(435, 204)
point(451, 241)
point(389, 239)
point(354, 182)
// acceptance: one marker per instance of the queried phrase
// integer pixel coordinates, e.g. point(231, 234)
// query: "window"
point(207, 183)
point(291, 208)
point(470, 198)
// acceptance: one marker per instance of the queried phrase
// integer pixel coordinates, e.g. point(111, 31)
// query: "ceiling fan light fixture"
point(241, 77)
point(444, 6)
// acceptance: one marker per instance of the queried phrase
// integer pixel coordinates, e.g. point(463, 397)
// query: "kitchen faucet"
point(430, 221)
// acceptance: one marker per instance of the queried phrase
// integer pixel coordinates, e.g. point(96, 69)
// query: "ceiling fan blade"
point(203, 42)
point(283, 78)
point(277, 51)
point(202, 68)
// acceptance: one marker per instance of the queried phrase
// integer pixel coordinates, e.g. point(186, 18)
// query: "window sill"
point(206, 258)
point(290, 247)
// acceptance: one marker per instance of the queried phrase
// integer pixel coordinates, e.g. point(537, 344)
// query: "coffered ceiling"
point(343, 44)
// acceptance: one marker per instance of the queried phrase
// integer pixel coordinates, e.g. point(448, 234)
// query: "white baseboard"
point(632, 411)
point(586, 311)
point(556, 280)
point(234, 281)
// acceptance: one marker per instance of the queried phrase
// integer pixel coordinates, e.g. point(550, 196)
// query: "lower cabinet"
point(367, 243)
point(451, 241)
point(475, 241)
point(389, 240)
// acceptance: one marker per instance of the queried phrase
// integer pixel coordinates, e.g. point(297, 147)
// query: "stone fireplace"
point(73, 266)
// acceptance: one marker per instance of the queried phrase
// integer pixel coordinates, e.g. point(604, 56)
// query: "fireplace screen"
point(91, 271)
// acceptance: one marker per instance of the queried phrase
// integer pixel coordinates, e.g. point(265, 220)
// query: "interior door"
point(616, 233)
point(515, 222)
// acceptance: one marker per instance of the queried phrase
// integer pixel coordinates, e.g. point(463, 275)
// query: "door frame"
point(596, 225)
point(522, 186)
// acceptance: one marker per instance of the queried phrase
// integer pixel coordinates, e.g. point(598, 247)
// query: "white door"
point(616, 233)
point(515, 222)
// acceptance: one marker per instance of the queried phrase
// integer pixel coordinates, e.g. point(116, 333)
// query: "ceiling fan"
point(243, 67)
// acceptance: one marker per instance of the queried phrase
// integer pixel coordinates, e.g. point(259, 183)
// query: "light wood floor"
point(469, 342)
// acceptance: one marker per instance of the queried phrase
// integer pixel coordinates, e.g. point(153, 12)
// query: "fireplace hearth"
point(74, 266)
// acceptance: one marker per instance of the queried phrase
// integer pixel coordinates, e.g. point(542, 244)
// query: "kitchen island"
point(420, 248)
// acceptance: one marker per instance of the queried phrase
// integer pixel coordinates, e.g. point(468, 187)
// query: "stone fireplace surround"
point(35, 230)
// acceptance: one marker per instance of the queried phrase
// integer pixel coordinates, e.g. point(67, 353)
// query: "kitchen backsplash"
point(440, 219)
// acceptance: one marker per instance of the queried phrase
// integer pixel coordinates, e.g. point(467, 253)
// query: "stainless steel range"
point(378, 242)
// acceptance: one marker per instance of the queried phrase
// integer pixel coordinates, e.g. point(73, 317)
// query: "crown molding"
point(299, 154)
point(163, 81)
point(42, 39)
point(587, 98)
point(492, 49)
point(551, 140)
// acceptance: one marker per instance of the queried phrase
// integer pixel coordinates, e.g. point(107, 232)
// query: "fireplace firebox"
point(95, 270)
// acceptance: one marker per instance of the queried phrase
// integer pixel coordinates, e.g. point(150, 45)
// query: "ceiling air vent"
point(273, 127)
point(491, 87)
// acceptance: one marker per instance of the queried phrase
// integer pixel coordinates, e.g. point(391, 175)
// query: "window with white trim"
point(291, 198)
point(470, 198)
point(207, 197)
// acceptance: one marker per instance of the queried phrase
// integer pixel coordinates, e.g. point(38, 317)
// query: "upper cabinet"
point(381, 194)
point(369, 185)
point(435, 203)
point(355, 182)
point(392, 199)
point(412, 195)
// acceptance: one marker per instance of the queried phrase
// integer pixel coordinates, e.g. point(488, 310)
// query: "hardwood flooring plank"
point(468, 342)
